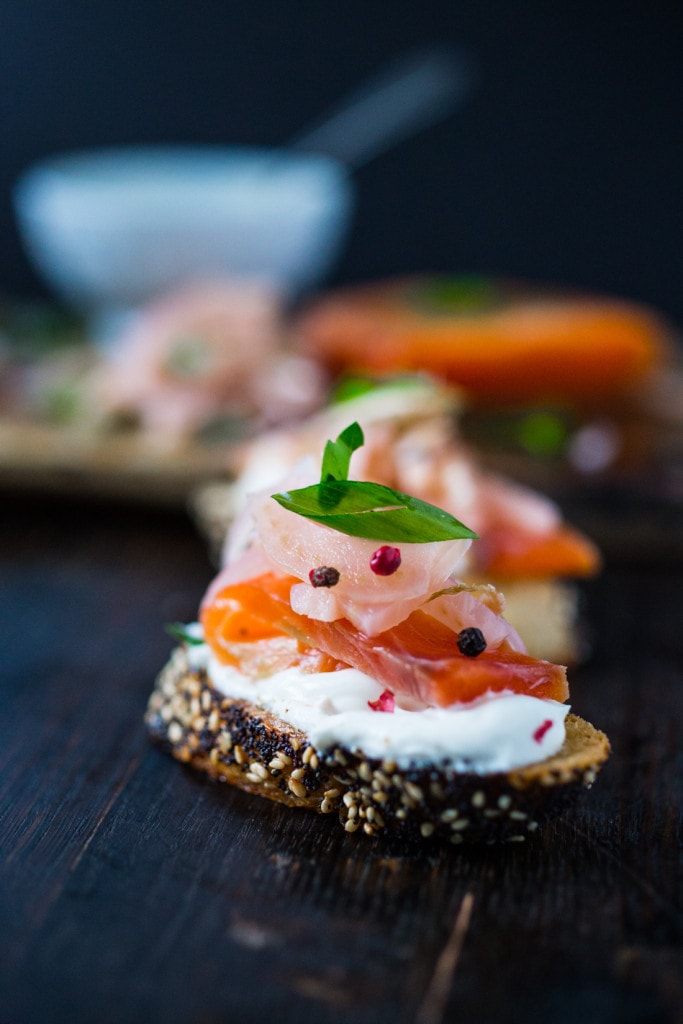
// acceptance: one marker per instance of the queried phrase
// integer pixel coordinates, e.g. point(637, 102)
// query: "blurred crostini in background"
point(552, 378)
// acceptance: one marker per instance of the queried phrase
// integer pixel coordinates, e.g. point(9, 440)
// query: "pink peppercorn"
point(542, 730)
point(385, 702)
point(385, 560)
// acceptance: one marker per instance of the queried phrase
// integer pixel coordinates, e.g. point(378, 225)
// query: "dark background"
point(566, 164)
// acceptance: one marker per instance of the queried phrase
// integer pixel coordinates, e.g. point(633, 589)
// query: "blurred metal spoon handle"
point(416, 90)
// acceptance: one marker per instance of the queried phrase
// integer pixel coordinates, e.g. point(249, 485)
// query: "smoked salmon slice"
point(419, 657)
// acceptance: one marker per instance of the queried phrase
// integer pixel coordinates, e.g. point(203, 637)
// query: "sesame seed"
point(589, 777)
point(457, 838)
point(381, 778)
point(258, 770)
point(297, 788)
point(504, 801)
point(450, 814)
point(414, 791)
point(214, 721)
point(348, 799)
point(214, 755)
point(198, 723)
point(532, 826)
point(331, 793)
point(518, 816)
point(460, 824)
point(307, 754)
point(370, 813)
point(407, 802)
point(380, 796)
point(365, 771)
point(314, 762)
point(298, 774)
point(401, 813)
point(240, 756)
point(225, 741)
point(175, 732)
point(326, 806)
point(206, 700)
point(166, 713)
point(353, 810)
point(516, 839)
point(276, 764)
point(285, 758)
point(368, 829)
point(436, 790)
point(339, 757)
point(389, 766)
point(478, 798)
point(195, 707)
point(352, 825)
point(492, 812)
point(379, 820)
point(426, 828)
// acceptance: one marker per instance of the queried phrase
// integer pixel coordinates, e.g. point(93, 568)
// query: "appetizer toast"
point(340, 664)
point(498, 340)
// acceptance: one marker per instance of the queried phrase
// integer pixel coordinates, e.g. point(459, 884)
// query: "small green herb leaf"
point(337, 454)
point(460, 296)
point(179, 631)
point(351, 388)
point(373, 511)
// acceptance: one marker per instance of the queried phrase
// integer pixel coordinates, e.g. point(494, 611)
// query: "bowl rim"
point(101, 166)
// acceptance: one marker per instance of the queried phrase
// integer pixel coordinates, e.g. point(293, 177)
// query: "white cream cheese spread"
point(493, 734)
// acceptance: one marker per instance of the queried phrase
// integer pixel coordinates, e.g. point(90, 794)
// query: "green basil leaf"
point(337, 454)
point(373, 511)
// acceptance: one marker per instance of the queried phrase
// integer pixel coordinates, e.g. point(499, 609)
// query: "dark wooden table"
point(135, 892)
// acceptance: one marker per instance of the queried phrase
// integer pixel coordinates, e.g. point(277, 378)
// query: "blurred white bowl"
point(110, 228)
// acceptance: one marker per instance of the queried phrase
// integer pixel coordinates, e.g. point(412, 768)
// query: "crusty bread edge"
point(240, 743)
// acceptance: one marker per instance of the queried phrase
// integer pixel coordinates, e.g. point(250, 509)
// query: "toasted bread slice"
point(247, 746)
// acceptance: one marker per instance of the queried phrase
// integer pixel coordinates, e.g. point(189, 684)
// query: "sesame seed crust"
point(242, 744)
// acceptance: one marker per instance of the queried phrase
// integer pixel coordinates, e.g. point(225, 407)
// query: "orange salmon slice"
point(418, 657)
point(564, 552)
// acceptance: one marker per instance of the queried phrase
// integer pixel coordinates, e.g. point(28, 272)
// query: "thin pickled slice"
point(372, 603)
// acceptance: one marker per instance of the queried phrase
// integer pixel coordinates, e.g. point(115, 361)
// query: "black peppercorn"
point(324, 576)
point(471, 642)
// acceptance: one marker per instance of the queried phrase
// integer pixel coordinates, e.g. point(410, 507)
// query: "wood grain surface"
point(134, 891)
